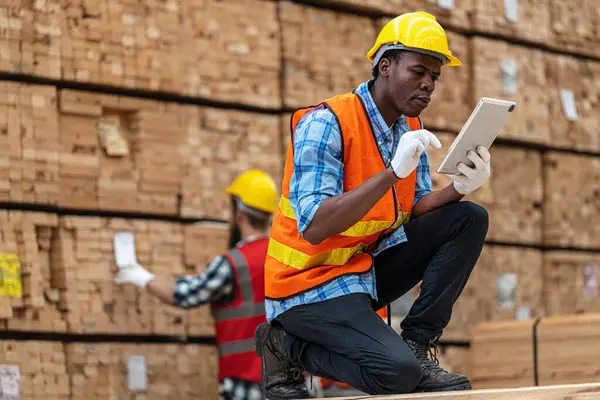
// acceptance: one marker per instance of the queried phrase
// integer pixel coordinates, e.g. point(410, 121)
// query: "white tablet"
point(481, 129)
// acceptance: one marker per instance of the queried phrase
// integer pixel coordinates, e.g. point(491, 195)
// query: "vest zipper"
point(395, 205)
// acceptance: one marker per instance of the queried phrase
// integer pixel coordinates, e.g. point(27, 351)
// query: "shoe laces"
point(428, 356)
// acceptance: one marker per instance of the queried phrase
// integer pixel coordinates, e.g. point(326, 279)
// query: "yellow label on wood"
point(10, 275)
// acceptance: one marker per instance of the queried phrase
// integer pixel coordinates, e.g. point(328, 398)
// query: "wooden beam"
point(586, 391)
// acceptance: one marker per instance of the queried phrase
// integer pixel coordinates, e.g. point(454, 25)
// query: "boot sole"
point(457, 387)
point(257, 342)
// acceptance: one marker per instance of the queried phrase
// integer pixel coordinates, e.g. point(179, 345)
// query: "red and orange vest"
point(237, 320)
point(293, 265)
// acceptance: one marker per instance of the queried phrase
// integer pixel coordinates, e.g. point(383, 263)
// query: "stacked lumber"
point(100, 371)
point(506, 284)
point(454, 359)
point(513, 199)
point(31, 38)
point(138, 169)
point(571, 282)
point(574, 121)
point(123, 43)
point(30, 237)
point(231, 51)
point(571, 200)
point(502, 353)
point(202, 242)
point(525, 19)
point(29, 137)
point(84, 268)
point(324, 53)
point(574, 26)
point(219, 145)
point(41, 367)
point(459, 14)
point(515, 73)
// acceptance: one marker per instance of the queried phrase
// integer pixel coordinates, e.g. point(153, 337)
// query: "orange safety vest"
point(293, 265)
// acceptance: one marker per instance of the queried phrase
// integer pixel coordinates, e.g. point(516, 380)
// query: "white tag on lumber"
point(568, 104)
point(447, 4)
point(506, 290)
point(124, 247)
point(590, 281)
point(523, 314)
point(136, 374)
point(510, 10)
point(509, 76)
point(10, 382)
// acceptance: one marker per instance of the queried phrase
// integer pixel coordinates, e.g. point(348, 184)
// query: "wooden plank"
point(324, 53)
point(558, 392)
point(569, 219)
point(220, 144)
point(527, 85)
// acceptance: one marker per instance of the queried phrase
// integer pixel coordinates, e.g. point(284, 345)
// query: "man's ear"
point(384, 67)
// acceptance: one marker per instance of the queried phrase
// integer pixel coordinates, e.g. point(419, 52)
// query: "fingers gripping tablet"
point(481, 129)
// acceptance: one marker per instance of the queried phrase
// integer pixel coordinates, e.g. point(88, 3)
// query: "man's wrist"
point(391, 175)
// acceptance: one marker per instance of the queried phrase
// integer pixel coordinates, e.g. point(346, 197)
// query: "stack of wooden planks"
point(559, 350)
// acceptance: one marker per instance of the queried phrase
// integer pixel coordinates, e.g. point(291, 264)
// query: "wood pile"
point(41, 367)
point(221, 144)
point(30, 237)
point(514, 73)
point(138, 169)
point(232, 51)
point(324, 53)
point(502, 353)
point(513, 202)
point(571, 282)
point(574, 26)
point(525, 19)
point(85, 270)
point(506, 284)
point(571, 200)
point(575, 98)
point(100, 371)
point(29, 137)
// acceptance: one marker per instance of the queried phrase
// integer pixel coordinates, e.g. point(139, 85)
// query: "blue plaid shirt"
point(318, 174)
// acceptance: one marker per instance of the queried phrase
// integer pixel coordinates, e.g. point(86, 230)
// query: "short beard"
point(235, 236)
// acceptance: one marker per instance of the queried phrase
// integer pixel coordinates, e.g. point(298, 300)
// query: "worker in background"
point(232, 283)
point(358, 226)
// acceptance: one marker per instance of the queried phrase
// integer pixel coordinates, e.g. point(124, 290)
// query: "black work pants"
point(345, 340)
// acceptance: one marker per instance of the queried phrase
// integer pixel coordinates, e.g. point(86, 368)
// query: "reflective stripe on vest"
point(361, 228)
point(240, 346)
point(248, 308)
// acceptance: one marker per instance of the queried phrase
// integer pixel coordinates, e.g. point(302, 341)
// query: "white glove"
point(412, 144)
point(472, 178)
point(134, 274)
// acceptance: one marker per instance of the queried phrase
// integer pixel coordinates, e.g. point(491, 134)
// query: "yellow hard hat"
point(255, 189)
point(416, 31)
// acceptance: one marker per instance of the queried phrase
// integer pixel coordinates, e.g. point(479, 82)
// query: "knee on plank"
point(403, 376)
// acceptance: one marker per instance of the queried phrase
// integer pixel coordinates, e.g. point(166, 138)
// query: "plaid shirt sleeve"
point(318, 165)
point(215, 284)
point(423, 184)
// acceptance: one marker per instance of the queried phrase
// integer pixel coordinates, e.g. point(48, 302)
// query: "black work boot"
point(281, 378)
point(435, 378)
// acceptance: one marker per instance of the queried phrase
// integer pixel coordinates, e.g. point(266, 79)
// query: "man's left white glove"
point(134, 274)
point(472, 178)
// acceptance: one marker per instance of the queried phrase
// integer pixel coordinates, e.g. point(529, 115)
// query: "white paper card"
point(506, 290)
point(523, 313)
point(510, 10)
point(447, 4)
point(136, 373)
point(10, 382)
point(509, 76)
point(568, 104)
point(590, 281)
point(124, 246)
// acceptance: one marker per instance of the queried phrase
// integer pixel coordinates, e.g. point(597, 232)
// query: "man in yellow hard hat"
point(358, 226)
point(232, 283)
